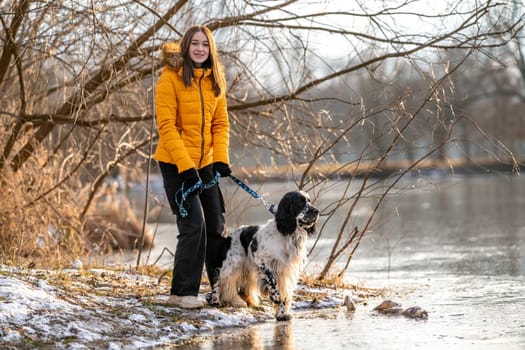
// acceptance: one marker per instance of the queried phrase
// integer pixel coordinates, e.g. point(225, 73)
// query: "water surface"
point(454, 246)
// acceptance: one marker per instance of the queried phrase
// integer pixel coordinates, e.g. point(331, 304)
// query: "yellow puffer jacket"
point(192, 122)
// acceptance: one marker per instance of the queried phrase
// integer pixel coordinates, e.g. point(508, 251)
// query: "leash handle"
point(213, 182)
point(272, 208)
point(185, 193)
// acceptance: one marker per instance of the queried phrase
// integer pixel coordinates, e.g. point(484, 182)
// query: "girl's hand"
point(222, 169)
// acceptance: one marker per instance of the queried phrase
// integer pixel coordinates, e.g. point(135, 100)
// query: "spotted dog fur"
point(267, 260)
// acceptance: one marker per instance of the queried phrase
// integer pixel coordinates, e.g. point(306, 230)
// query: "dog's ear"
point(286, 223)
point(286, 216)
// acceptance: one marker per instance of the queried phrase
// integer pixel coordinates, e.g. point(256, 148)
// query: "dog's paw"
point(257, 307)
point(237, 303)
point(212, 300)
point(283, 317)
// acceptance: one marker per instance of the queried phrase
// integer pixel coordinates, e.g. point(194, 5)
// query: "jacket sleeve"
point(221, 132)
point(166, 111)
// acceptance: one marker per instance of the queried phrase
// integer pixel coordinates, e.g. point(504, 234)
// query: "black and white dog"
point(267, 259)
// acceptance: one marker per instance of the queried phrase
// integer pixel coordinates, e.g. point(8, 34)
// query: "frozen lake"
point(455, 246)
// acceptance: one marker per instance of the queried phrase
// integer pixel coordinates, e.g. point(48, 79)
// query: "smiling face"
point(199, 49)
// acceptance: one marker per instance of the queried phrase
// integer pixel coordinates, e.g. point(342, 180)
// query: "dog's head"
point(295, 210)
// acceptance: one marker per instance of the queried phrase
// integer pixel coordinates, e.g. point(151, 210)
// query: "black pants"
point(201, 233)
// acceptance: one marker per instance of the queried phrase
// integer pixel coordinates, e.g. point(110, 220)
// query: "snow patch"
point(84, 315)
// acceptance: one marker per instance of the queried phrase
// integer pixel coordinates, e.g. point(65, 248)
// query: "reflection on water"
point(457, 244)
point(254, 338)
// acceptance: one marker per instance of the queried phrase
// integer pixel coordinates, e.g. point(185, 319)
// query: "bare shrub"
point(39, 225)
point(114, 225)
point(37, 230)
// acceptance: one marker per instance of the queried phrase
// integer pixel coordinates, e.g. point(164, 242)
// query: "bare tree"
point(364, 84)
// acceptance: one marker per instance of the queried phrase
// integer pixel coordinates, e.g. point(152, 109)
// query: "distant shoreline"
point(368, 168)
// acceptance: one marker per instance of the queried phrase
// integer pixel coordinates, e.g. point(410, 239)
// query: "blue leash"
point(272, 208)
point(186, 193)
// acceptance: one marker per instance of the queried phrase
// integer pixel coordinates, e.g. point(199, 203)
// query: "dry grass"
point(32, 228)
point(336, 282)
point(40, 222)
point(148, 282)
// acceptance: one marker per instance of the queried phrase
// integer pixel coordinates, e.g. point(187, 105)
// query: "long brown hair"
point(213, 62)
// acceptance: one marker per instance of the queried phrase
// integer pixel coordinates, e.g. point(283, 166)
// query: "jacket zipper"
point(202, 116)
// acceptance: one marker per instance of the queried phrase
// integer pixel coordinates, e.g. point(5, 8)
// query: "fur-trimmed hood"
point(192, 121)
point(170, 55)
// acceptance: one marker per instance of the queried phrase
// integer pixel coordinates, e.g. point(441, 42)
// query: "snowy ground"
point(88, 309)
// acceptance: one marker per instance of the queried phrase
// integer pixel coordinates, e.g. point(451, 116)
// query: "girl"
point(193, 126)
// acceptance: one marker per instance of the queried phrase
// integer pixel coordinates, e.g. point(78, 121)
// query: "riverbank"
point(116, 309)
point(457, 251)
point(365, 168)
